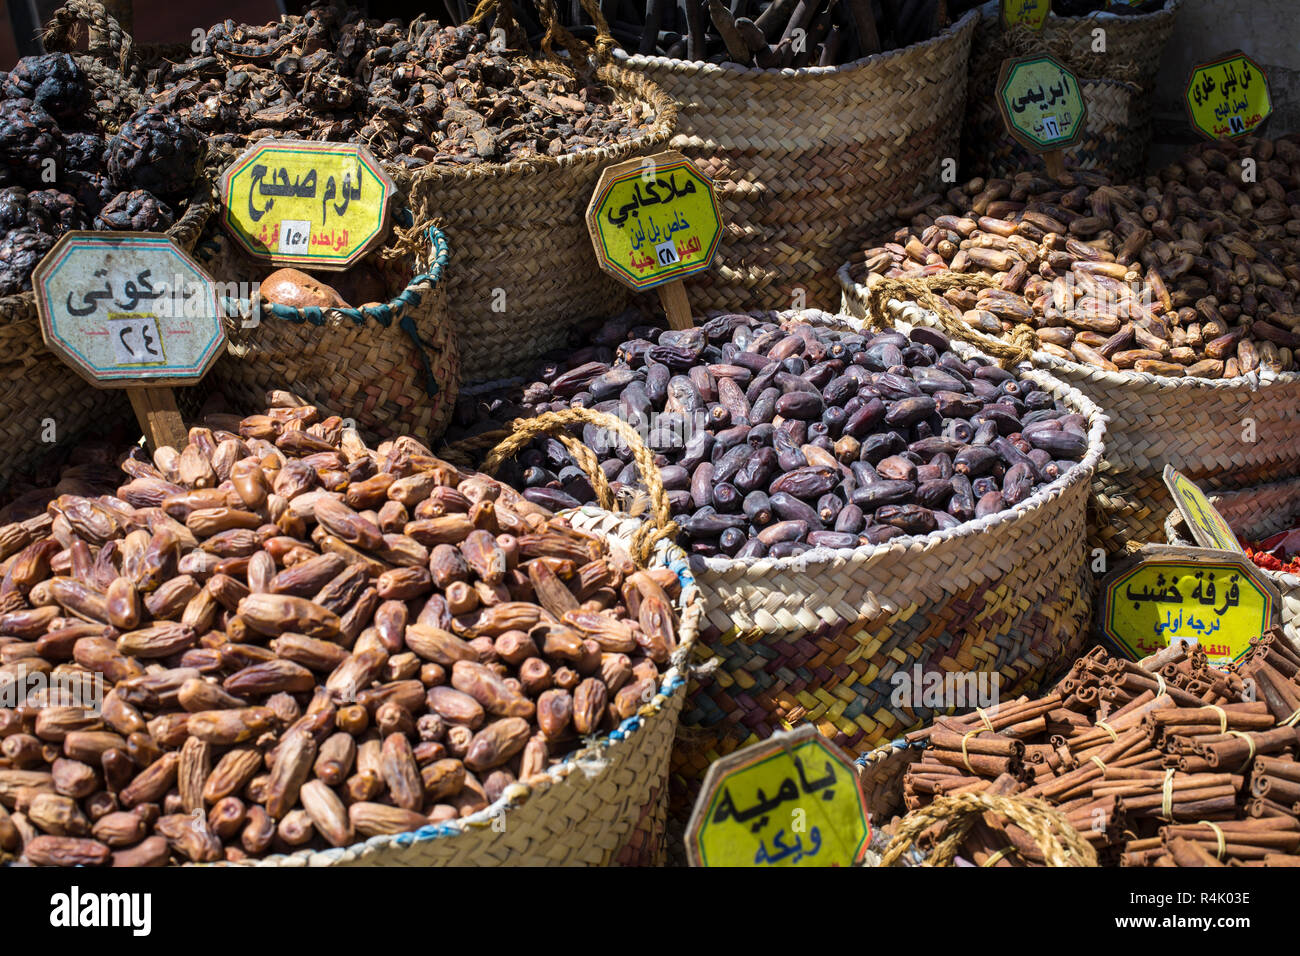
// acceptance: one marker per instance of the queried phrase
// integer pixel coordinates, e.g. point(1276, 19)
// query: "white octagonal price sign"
point(127, 309)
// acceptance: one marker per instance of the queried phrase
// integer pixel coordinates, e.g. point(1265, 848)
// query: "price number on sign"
point(1051, 128)
point(667, 253)
point(136, 341)
point(295, 237)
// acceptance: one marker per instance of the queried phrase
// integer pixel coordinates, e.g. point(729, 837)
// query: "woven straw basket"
point(393, 367)
point(817, 637)
point(1118, 132)
point(519, 228)
point(1255, 513)
point(1199, 426)
point(604, 805)
point(808, 161)
point(37, 384)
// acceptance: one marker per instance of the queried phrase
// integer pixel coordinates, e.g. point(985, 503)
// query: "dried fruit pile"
point(1194, 273)
point(304, 642)
point(1138, 757)
point(773, 439)
point(61, 170)
point(412, 95)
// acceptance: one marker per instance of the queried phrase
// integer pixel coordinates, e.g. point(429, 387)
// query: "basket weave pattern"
point(357, 363)
point(808, 161)
point(606, 805)
point(519, 227)
point(1255, 513)
point(1109, 143)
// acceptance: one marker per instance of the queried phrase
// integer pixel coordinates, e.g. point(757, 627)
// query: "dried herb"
point(414, 95)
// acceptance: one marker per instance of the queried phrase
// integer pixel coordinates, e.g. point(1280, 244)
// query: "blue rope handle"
point(398, 306)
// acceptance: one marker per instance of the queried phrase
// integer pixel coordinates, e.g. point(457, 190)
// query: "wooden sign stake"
point(1055, 160)
point(160, 419)
point(1043, 108)
point(677, 305)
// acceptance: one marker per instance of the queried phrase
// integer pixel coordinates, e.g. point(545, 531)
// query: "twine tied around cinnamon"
point(923, 290)
point(957, 813)
point(556, 424)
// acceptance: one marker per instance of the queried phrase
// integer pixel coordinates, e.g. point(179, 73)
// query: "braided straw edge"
point(687, 67)
point(856, 295)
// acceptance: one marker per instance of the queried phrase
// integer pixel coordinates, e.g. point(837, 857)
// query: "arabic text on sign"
point(1212, 606)
point(136, 341)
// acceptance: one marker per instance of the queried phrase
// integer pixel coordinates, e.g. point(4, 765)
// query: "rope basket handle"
point(556, 424)
point(106, 41)
point(957, 813)
point(923, 289)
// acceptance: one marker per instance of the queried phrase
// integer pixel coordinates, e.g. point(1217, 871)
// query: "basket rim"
point(690, 605)
point(811, 562)
point(1121, 379)
point(949, 33)
point(380, 311)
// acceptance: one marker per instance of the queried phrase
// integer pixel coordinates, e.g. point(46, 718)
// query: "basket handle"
point(524, 430)
point(957, 813)
point(922, 289)
point(106, 40)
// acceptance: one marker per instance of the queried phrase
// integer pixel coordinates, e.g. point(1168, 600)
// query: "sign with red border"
point(127, 309)
point(306, 204)
point(654, 220)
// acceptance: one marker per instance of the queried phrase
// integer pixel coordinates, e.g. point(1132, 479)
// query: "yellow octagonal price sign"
point(654, 220)
point(1041, 102)
point(1024, 13)
point(790, 800)
point(1217, 599)
point(1228, 97)
point(312, 205)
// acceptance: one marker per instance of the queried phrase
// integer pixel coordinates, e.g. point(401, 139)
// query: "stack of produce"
point(1195, 273)
point(65, 166)
point(1171, 762)
point(775, 437)
point(414, 95)
point(304, 642)
point(1173, 302)
point(764, 33)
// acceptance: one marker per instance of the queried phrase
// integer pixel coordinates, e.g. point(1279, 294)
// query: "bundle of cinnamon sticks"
point(1167, 762)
